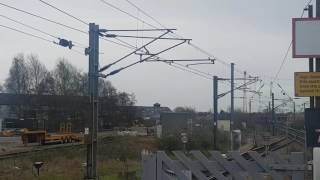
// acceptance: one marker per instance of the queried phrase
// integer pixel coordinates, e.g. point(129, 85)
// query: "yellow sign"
point(307, 84)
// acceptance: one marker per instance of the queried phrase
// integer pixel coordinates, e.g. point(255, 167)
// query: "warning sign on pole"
point(307, 84)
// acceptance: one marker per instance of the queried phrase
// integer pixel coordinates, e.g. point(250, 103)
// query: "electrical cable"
point(57, 23)
point(141, 60)
point(130, 46)
point(145, 13)
point(144, 37)
point(283, 61)
point(52, 21)
point(208, 74)
point(64, 12)
point(131, 53)
point(283, 91)
point(275, 78)
point(117, 43)
point(16, 21)
point(204, 51)
point(163, 26)
point(259, 93)
point(288, 50)
point(186, 70)
point(29, 34)
point(35, 36)
point(36, 29)
point(239, 87)
point(211, 55)
point(43, 18)
point(139, 30)
point(133, 16)
point(86, 23)
point(191, 70)
point(139, 19)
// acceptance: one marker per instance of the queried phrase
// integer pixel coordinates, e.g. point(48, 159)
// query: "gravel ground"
point(9, 144)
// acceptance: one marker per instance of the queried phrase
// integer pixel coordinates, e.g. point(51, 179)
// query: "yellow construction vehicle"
point(42, 137)
point(11, 132)
point(7, 133)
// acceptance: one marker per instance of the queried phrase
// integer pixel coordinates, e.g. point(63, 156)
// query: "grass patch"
point(116, 156)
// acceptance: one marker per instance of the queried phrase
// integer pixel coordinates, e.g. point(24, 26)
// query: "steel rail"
point(38, 149)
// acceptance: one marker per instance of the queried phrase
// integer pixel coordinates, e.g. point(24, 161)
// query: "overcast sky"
point(253, 34)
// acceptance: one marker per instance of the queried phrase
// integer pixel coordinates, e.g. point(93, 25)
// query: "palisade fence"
point(195, 165)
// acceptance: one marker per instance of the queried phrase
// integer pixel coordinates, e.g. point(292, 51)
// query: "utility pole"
point(317, 104)
point(250, 101)
point(294, 111)
point(215, 111)
point(268, 117)
point(317, 98)
point(310, 15)
point(244, 92)
point(232, 105)
point(273, 115)
point(93, 74)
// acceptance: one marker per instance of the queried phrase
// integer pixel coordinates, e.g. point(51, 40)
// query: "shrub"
point(170, 143)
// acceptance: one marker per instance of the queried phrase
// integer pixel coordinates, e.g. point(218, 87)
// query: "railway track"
point(293, 134)
point(35, 149)
point(38, 149)
point(269, 147)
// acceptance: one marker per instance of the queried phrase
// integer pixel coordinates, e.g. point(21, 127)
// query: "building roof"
point(151, 112)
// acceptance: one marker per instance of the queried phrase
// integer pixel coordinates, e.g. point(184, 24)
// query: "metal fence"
point(195, 165)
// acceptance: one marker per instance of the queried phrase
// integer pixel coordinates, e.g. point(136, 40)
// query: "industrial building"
point(173, 124)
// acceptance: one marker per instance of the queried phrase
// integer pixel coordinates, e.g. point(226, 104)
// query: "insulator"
point(65, 43)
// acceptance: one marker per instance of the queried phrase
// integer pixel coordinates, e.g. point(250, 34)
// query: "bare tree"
point(68, 79)
point(37, 74)
point(18, 80)
point(47, 85)
point(81, 83)
point(106, 89)
point(125, 99)
point(185, 110)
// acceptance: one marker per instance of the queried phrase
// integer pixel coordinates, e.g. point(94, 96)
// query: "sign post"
point(306, 44)
point(316, 163)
